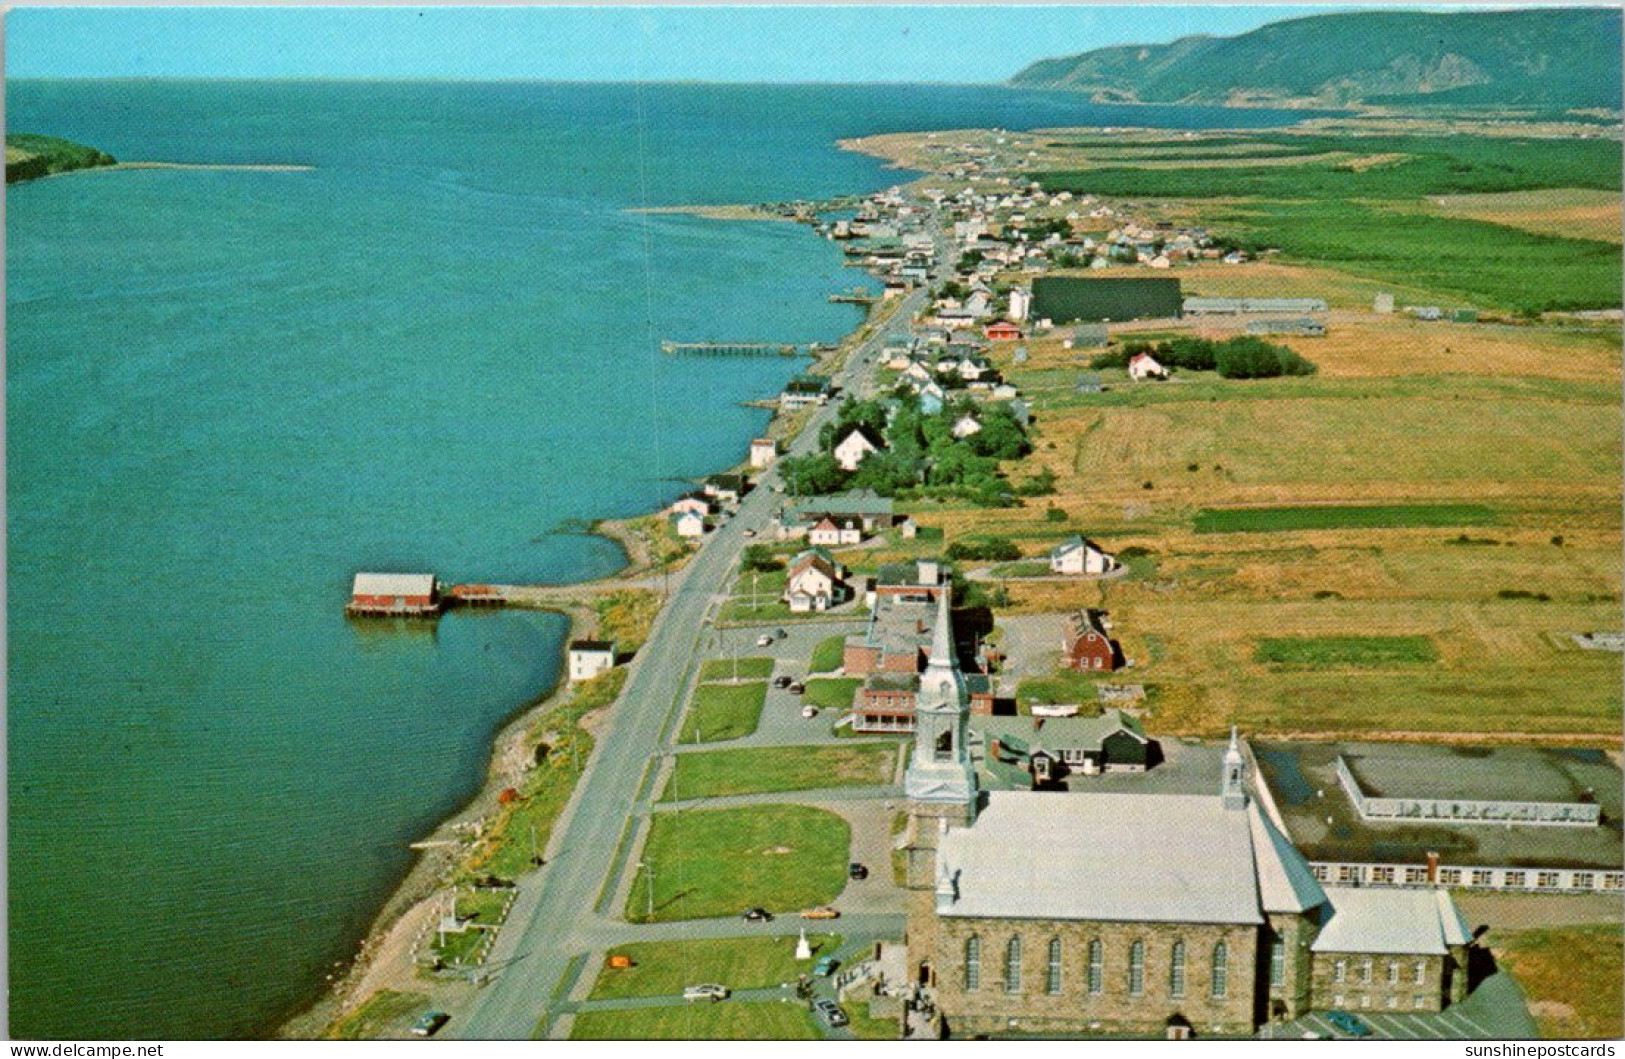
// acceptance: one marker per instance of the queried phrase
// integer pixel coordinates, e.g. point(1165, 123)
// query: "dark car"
point(830, 1012)
point(781, 682)
point(758, 915)
point(429, 1022)
point(856, 871)
point(826, 966)
point(1352, 1025)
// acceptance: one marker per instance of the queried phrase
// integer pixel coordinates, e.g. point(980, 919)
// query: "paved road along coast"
point(553, 918)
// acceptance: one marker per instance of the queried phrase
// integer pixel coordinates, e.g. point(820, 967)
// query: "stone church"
point(1041, 913)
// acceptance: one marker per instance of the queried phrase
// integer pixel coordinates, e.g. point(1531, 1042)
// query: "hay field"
point(1574, 213)
point(1526, 422)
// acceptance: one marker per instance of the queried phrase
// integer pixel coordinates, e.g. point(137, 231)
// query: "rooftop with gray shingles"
point(1302, 778)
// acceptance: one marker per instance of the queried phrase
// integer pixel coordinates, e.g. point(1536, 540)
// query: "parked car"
point(781, 681)
point(809, 712)
point(797, 688)
point(825, 966)
point(764, 640)
point(749, 532)
point(758, 915)
point(781, 634)
point(830, 1012)
point(1352, 1025)
point(825, 912)
point(856, 871)
point(429, 1023)
point(706, 991)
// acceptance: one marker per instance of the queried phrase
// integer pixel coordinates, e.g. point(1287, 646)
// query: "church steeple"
point(941, 771)
point(1233, 790)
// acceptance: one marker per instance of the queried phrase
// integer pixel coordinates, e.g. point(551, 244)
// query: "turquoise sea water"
point(227, 391)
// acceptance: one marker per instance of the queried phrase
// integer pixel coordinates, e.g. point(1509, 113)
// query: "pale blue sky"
point(764, 44)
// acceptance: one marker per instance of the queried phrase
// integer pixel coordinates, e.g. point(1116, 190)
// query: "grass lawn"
point(865, 1028)
point(1022, 568)
point(723, 1021)
point(1322, 517)
point(1570, 976)
point(719, 773)
point(1317, 652)
point(746, 668)
point(625, 616)
point(829, 655)
point(386, 1010)
point(483, 906)
point(723, 711)
point(664, 968)
point(719, 862)
point(832, 693)
point(1063, 686)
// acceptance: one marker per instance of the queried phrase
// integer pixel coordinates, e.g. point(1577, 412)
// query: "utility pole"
point(650, 872)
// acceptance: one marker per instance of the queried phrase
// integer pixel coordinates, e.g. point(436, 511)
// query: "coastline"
point(384, 955)
point(731, 212)
point(224, 167)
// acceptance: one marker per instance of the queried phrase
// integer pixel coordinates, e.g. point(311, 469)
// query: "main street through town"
point(553, 917)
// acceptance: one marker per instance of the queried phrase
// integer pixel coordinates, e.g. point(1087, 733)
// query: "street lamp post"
point(650, 872)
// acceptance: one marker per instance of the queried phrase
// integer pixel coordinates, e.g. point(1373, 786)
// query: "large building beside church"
point(1062, 913)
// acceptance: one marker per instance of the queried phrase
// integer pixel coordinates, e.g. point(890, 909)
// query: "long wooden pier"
point(732, 349)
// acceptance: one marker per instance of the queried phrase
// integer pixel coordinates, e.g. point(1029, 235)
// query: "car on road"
point(830, 1012)
point(748, 532)
point(825, 966)
point(780, 634)
point(798, 688)
point(757, 915)
point(809, 711)
point(764, 640)
point(824, 912)
point(857, 871)
point(705, 991)
point(781, 681)
point(429, 1023)
point(1352, 1025)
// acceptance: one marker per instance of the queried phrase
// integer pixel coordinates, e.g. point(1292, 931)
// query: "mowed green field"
point(1319, 652)
point(723, 711)
point(664, 968)
point(757, 770)
point(724, 1021)
point(708, 863)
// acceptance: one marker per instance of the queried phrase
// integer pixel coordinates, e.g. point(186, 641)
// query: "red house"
point(1002, 331)
point(1085, 644)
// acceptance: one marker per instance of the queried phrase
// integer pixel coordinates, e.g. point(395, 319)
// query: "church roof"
point(1285, 883)
point(1121, 857)
point(1404, 922)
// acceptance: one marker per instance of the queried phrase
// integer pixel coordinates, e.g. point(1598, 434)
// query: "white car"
point(809, 712)
point(707, 991)
point(764, 641)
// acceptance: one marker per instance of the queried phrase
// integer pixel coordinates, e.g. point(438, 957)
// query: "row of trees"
point(922, 458)
point(1242, 357)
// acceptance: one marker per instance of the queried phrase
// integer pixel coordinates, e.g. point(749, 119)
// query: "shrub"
point(998, 549)
point(1054, 514)
point(1253, 358)
point(759, 557)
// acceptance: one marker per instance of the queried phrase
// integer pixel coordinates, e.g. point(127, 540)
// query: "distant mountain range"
point(1556, 57)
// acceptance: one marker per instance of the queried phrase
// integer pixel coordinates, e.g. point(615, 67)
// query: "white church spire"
point(1233, 790)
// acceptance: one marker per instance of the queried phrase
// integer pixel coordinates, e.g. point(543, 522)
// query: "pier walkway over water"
point(734, 349)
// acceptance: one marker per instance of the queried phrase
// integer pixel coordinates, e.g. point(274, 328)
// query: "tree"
point(812, 475)
point(759, 557)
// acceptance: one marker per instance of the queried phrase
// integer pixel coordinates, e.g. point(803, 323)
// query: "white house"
point(1078, 555)
point(966, 426)
point(856, 443)
point(696, 503)
point(816, 582)
point(588, 658)
point(931, 398)
point(763, 451)
point(690, 525)
point(1143, 366)
point(834, 531)
point(1021, 303)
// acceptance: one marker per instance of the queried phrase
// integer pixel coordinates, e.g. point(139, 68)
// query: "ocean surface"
point(436, 351)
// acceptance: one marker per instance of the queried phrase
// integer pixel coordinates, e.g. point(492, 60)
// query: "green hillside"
point(1548, 58)
point(30, 156)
